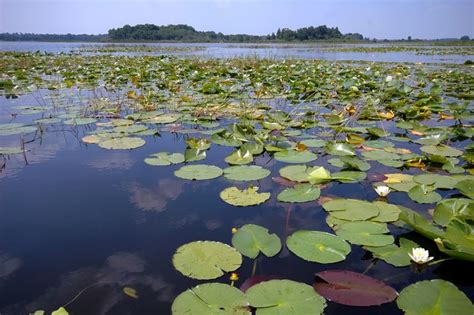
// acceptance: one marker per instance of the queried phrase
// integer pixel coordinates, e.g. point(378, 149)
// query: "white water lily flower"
point(382, 190)
point(420, 255)
point(388, 78)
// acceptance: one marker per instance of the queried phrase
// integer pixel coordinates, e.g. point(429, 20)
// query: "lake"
point(83, 215)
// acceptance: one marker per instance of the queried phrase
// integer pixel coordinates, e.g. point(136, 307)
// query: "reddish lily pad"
point(352, 288)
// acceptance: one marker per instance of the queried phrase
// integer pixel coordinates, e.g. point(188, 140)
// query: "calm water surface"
point(75, 216)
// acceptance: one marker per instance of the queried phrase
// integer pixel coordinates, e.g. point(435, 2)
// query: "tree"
point(409, 38)
point(465, 37)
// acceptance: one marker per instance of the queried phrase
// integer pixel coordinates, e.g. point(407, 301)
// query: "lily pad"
point(292, 156)
point(441, 150)
point(434, 297)
point(252, 239)
point(351, 209)
point(341, 149)
point(11, 150)
point(352, 288)
point(246, 173)
point(239, 157)
point(466, 187)
point(393, 254)
point(243, 198)
point(423, 194)
point(211, 299)
point(198, 172)
point(164, 159)
point(125, 143)
point(282, 297)
point(316, 246)
point(206, 260)
point(451, 209)
point(296, 173)
point(365, 233)
point(299, 193)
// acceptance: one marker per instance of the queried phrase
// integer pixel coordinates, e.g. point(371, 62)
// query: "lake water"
point(75, 216)
point(279, 51)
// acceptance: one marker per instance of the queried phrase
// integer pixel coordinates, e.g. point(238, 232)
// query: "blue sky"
point(372, 18)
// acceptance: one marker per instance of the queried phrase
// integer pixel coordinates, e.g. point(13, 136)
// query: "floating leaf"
point(319, 175)
point(206, 260)
point(349, 176)
point(211, 299)
point(243, 198)
point(239, 157)
point(365, 233)
point(341, 149)
point(352, 288)
point(198, 172)
point(320, 247)
point(423, 194)
point(292, 156)
point(131, 292)
point(125, 143)
point(441, 150)
point(296, 173)
point(11, 150)
point(199, 144)
point(60, 311)
point(451, 209)
point(250, 282)
point(393, 254)
point(192, 155)
point(299, 193)
point(80, 121)
point(434, 297)
point(245, 173)
point(351, 209)
point(466, 187)
point(387, 212)
point(285, 297)
point(164, 159)
point(252, 239)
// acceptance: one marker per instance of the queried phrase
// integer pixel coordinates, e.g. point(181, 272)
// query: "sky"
point(391, 19)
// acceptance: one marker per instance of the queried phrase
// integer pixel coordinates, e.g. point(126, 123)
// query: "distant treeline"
point(52, 37)
point(182, 32)
point(186, 33)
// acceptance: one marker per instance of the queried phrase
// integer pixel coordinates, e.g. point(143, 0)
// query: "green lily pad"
point(316, 246)
point(292, 156)
point(466, 187)
point(393, 254)
point(349, 176)
point(15, 129)
point(199, 144)
point(351, 209)
point(243, 198)
point(193, 155)
point(441, 150)
point(239, 157)
point(434, 297)
point(163, 119)
point(387, 212)
point(281, 297)
point(438, 181)
point(422, 194)
point(296, 173)
point(80, 121)
point(365, 233)
point(198, 172)
point(211, 299)
point(299, 193)
point(451, 209)
point(252, 239)
point(11, 150)
point(318, 175)
point(164, 159)
point(341, 149)
point(206, 260)
point(125, 143)
point(246, 173)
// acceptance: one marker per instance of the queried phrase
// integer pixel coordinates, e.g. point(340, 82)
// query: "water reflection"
point(8, 265)
point(157, 197)
point(112, 161)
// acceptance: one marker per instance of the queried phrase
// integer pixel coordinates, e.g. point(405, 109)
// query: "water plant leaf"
point(131, 292)
point(341, 149)
point(125, 143)
point(250, 282)
point(316, 246)
point(193, 155)
point(164, 159)
point(349, 176)
point(79, 121)
point(466, 187)
point(252, 239)
point(60, 311)
point(10, 150)
point(281, 297)
point(351, 209)
point(292, 156)
point(211, 299)
point(318, 175)
point(296, 173)
point(198, 143)
point(239, 157)
point(352, 288)
point(451, 209)
point(393, 254)
point(299, 193)
point(243, 198)
point(246, 172)
point(198, 172)
point(441, 150)
point(365, 233)
point(206, 260)
point(420, 224)
point(423, 194)
point(434, 297)
point(387, 212)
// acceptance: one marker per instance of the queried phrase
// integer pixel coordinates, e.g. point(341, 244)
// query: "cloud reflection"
point(156, 198)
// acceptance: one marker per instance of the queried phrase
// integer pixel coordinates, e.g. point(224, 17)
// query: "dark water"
point(225, 50)
point(75, 216)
